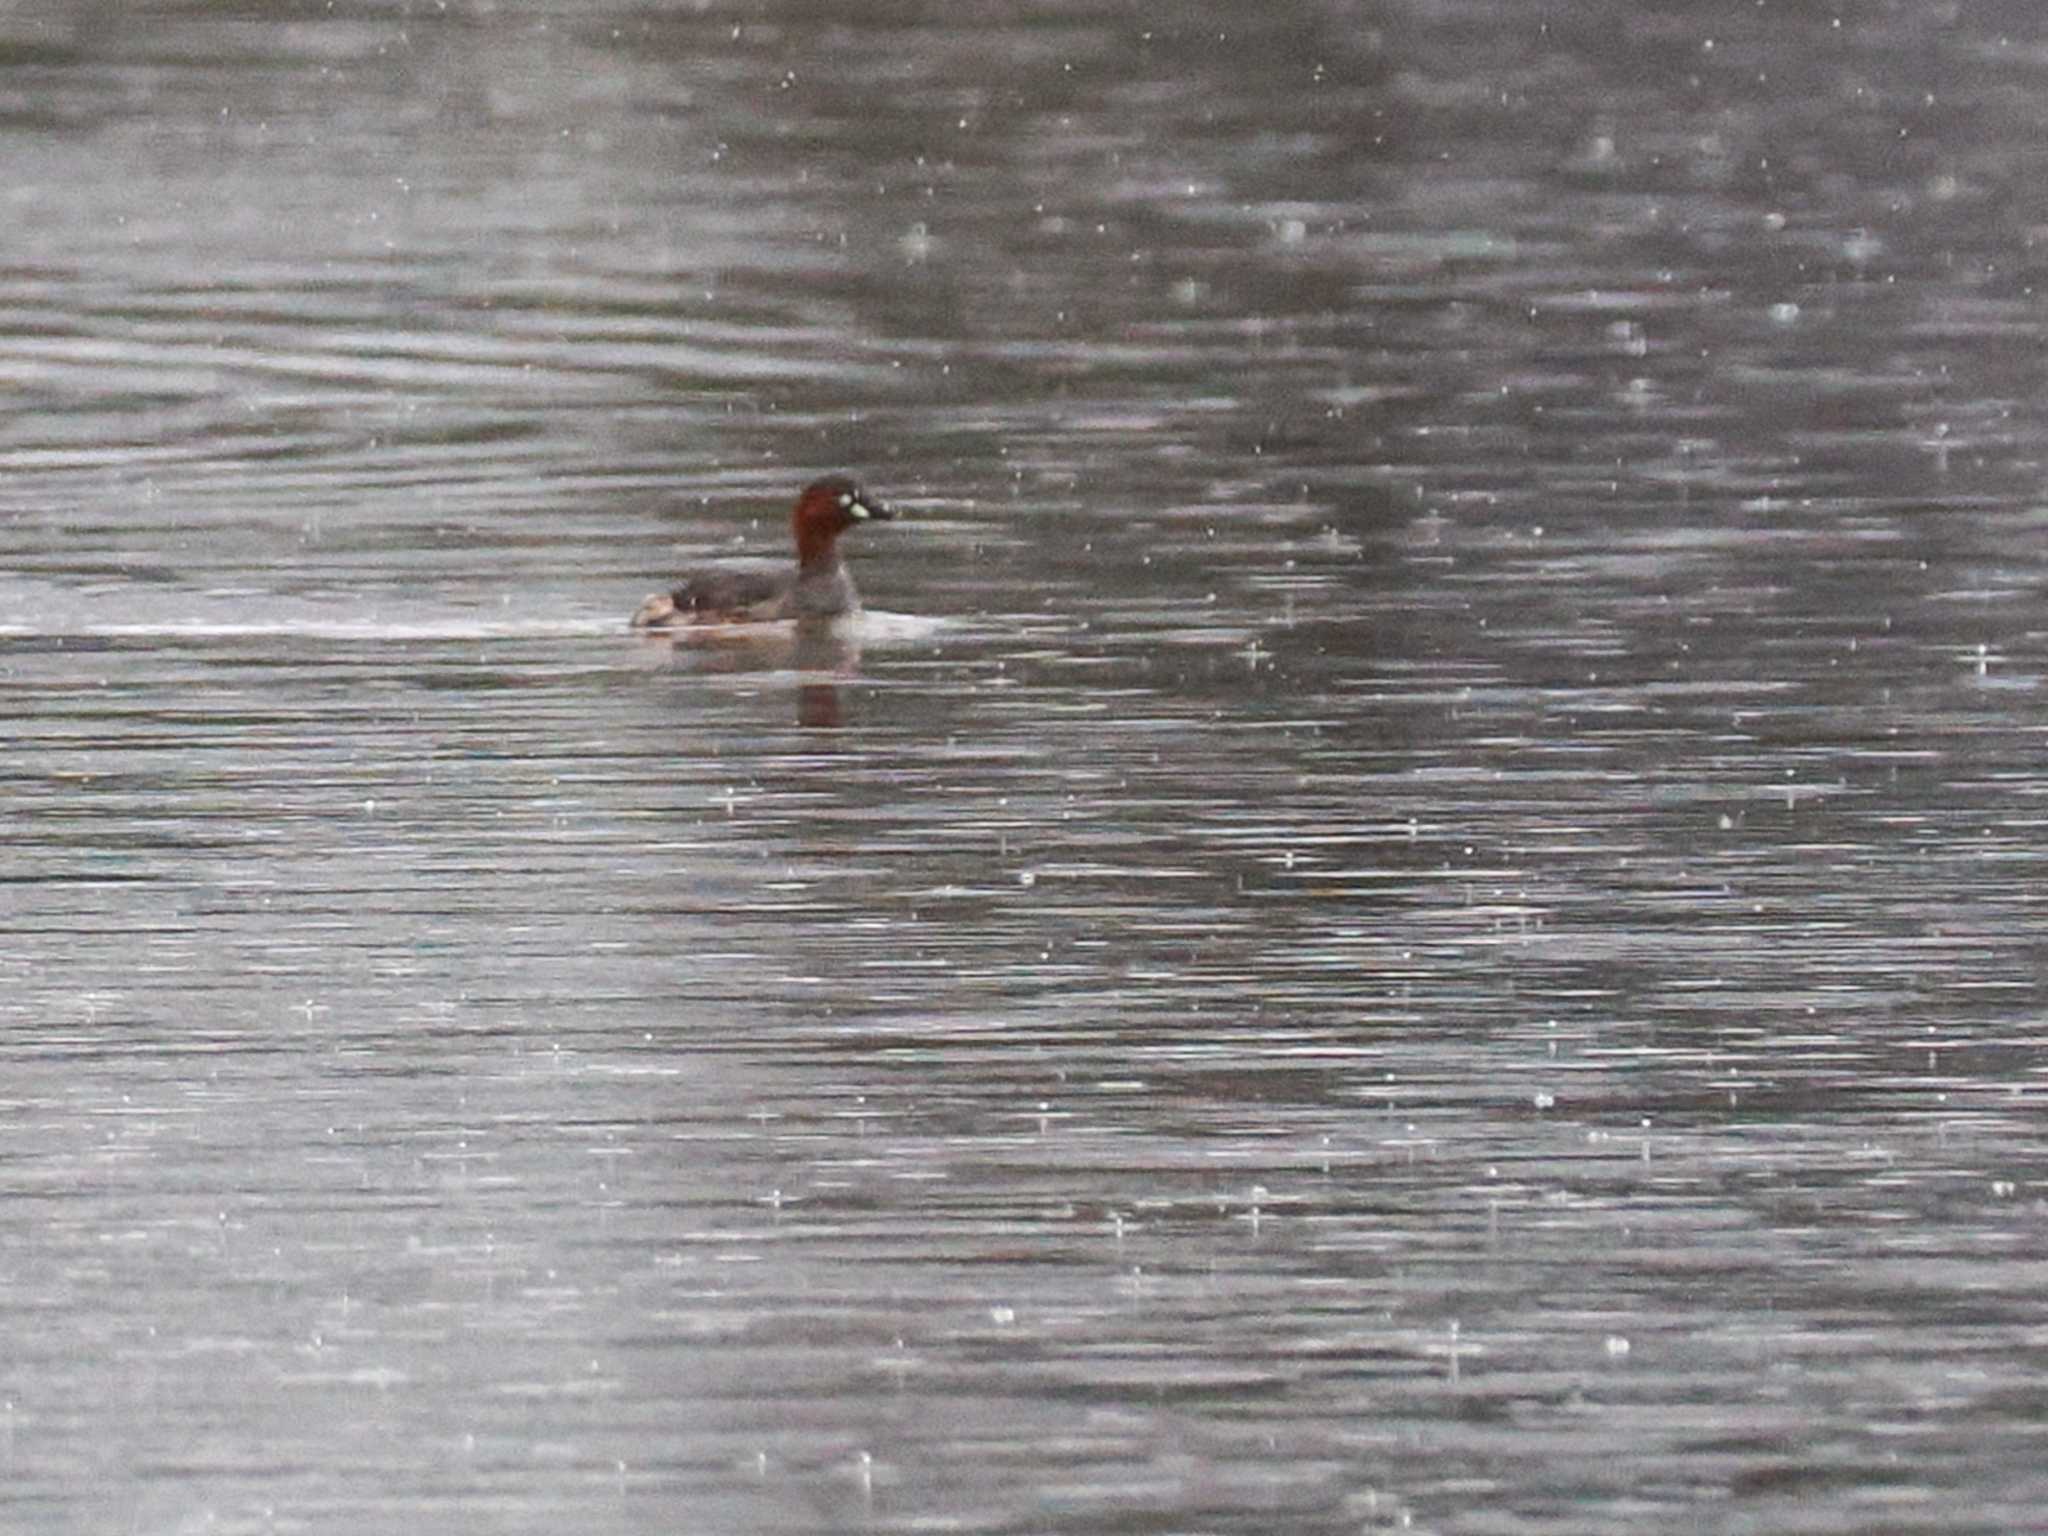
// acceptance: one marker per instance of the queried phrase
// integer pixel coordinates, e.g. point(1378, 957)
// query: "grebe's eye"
point(845, 500)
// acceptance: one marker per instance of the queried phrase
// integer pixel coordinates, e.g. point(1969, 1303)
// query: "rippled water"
point(1420, 906)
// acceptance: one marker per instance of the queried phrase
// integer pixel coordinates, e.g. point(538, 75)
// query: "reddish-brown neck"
point(817, 534)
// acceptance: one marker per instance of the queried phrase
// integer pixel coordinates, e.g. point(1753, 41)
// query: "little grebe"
point(750, 591)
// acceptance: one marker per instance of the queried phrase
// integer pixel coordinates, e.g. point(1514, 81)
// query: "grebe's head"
point(827, 508)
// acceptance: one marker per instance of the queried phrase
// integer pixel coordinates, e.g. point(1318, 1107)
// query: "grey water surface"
point(1424, 905)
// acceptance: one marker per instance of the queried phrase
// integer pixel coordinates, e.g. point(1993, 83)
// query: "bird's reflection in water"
point(824, 655)
point(821, 656)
